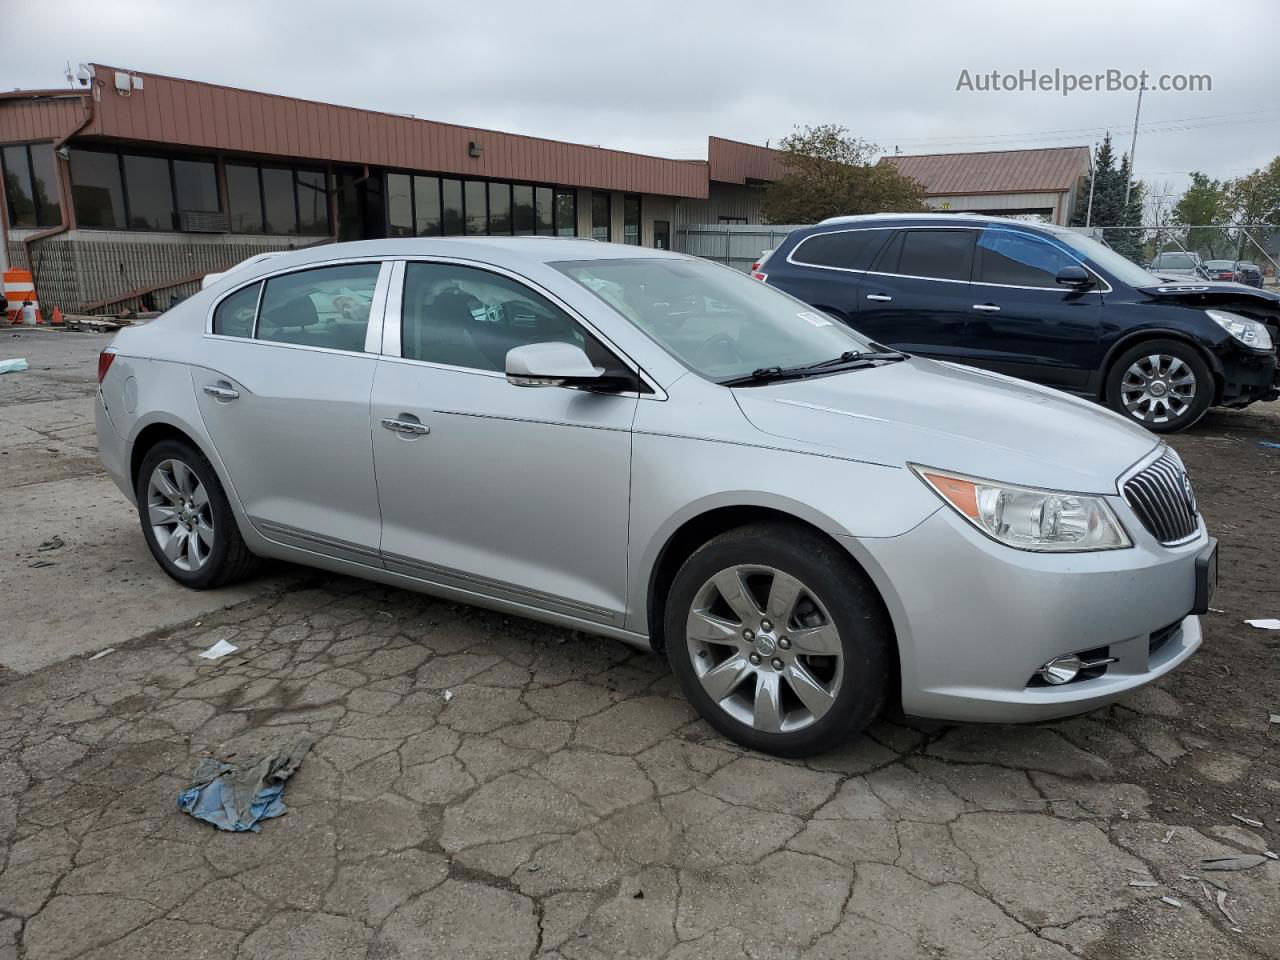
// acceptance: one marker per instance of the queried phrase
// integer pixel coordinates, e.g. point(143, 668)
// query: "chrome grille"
point(1160, 494)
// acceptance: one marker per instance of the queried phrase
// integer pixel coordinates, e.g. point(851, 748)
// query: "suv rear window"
point(942, 254)
point(846, 249)
point(1174, 261)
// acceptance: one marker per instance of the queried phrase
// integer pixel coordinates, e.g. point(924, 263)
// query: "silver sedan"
point(653, 448)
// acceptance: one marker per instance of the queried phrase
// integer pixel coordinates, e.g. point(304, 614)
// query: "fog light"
point(1061, 669)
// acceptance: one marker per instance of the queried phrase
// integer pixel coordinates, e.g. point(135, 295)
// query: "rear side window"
point(846, 249)
point(234, 315)
point(1015, 259)
point(935, 254)
point(326, 307)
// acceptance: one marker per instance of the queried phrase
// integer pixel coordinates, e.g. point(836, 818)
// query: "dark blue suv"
point(1041, 303)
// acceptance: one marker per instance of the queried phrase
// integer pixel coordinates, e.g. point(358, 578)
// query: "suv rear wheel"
point(778, 640)
point(1165, 385)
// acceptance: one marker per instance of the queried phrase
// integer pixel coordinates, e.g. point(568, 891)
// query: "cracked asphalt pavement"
point(486, 787)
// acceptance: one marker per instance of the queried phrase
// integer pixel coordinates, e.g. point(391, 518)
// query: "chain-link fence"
point(737, 245)
point(1248, 253)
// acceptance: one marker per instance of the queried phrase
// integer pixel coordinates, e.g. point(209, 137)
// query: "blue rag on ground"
point(235, 796)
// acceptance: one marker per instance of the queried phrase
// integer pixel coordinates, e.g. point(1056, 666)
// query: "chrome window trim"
point(291, 346)
point(1105, 288)
point(396, 321)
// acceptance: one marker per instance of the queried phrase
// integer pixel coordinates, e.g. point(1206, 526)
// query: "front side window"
point(96, 189)
point(845, 249)
point(1015, 259)
point(932, 254)
point(468, 317)
point(234, 316)
point(716, 321)
point(325, 307)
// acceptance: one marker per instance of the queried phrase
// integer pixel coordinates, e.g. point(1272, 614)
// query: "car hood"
point(1180, 288)
point(954, 418)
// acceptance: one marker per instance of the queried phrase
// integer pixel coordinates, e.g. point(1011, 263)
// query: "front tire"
point(779, 640)
point(1164, 385)
point(187, 520)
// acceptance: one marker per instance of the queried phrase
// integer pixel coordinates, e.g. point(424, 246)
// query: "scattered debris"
point(534, 867)
point(1172, 901)
point(1169, 836)
point(1264, 624)
point(1271, 854)
point(1144, 883)
point(102, 653)
point(219, 650)
point(53, 543)
point(448, 695)
point(1247, 821)
point(13, 366)
point(1222, 906)
point(37, 564)
point(1216, 610)
point(1275, 718)
point(236, 796)
point(1268, 443)
point(638, 895)
point(1240, 861)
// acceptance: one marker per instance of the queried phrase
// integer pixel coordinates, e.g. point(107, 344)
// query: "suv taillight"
point(105, 359)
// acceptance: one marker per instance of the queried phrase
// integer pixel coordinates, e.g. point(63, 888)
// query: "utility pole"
point(1093, 179)
point(1133, 146)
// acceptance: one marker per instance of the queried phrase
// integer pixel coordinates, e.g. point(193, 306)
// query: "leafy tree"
point(1255, 199)
point(830, 173)
point(1204, 207)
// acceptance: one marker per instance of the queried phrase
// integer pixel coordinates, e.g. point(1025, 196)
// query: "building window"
point(399, 205)
point(631, 219)
point(500, 208)
point(543, 200)
point(662, 234)
point(31, 184)
point(522, 209)
point(451, 202)
point(148, 193)
point(476, 206)
point(566, 213)
point(426, 206)
point(277, 200)
point(195, 185)
point(600, 219)
point(733, 220)
point(96, 189)
point(244, 198)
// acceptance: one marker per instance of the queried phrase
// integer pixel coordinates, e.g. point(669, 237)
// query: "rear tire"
point(795, 662)
point(1163, 385)
point(187, 520)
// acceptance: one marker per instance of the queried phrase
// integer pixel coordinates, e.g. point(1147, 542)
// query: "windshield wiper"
point(852, 359)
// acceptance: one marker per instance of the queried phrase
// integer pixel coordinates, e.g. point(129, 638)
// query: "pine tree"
point(1109, 208)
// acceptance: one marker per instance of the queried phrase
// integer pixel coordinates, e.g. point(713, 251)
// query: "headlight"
point(1026, 518)
point(1249, 332)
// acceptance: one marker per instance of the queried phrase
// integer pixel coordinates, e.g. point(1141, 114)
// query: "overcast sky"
point(658, 77)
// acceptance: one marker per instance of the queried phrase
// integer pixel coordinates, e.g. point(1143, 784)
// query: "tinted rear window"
point(936, 254)
point(847, 249)
point(1173, 261)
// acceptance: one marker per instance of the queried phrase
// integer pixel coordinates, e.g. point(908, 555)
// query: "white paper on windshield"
point(817, 319)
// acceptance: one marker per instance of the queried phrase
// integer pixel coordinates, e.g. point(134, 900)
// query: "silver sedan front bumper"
point(976, 619)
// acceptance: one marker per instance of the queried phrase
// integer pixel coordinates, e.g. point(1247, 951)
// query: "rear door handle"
point(881, 297)
point(222, 391)
point(986, 307)
point(406, 427)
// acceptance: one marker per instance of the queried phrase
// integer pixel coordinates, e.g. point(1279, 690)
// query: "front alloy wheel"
point(1158, 388)
point(765, 649)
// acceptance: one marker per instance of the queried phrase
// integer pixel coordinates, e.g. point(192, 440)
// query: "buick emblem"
point(1189, 494)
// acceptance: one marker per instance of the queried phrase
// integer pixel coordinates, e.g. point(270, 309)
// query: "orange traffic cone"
point(56, 319)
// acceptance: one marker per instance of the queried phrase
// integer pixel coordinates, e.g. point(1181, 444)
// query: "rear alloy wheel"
point(1165, 385)
point(778, 640)
point(187, 519)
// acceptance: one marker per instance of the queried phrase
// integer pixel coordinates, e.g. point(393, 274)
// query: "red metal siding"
point(732, 161)
point(1004, 171)
point(38, 118)
point(206, 116)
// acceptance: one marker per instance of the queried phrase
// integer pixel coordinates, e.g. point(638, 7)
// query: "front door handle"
point(880, 297)
point(222, 391)
point(406, 427)
point(986, 307)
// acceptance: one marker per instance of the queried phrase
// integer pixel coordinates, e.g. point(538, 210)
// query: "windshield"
point(720, 323)
point(1103, 256)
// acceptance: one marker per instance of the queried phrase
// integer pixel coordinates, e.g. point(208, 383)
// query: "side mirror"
point(1074, 276)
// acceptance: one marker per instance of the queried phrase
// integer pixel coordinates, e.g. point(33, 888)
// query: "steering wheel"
point(706, 355)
